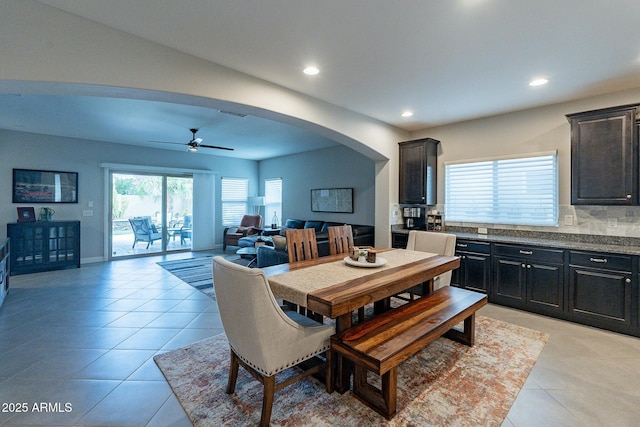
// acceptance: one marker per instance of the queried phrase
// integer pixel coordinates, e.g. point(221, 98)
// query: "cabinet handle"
point(600, 260)
point(628, 280)
point(528, 265)
point(526, 252)
point(628, 196)
point(523, 266)
point(462, 245)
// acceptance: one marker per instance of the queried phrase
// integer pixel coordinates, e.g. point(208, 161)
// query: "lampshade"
point(256, 201)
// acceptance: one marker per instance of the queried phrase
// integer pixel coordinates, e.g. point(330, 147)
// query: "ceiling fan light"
point(193, 148)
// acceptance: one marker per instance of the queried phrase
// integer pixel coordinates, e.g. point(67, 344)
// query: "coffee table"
point(248, 252)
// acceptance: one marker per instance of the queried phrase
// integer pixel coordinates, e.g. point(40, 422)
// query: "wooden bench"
point(383, 342)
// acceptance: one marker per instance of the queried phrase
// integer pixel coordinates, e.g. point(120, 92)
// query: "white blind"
point(273, 200)
point(521, 191)
point(234, 200)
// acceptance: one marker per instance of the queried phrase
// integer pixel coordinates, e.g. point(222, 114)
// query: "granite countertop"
point(609, 244)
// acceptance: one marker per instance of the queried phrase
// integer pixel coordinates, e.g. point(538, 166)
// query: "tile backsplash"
point(621, 221)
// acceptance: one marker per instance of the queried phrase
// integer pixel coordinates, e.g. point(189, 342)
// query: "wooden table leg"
point(343, 366)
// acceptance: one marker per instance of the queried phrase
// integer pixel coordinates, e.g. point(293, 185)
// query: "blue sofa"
point(363, 235)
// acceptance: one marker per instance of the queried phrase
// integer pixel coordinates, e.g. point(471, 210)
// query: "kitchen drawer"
point(473, 246)
point(601, 260)
point(529, 252)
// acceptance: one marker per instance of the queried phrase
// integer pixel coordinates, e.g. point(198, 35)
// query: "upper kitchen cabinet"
point(604, 151)
point(418, 162)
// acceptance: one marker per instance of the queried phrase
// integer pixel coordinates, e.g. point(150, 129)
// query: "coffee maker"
point(413, 217)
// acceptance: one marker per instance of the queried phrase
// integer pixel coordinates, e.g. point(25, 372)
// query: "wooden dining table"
point(332, 288)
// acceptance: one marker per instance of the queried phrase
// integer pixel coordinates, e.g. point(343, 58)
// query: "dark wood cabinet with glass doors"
point(43, 246)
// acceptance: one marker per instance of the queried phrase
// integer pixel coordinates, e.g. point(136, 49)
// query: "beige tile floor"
point(87, 337)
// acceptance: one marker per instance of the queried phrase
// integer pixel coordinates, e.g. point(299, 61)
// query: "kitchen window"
point(507, 190)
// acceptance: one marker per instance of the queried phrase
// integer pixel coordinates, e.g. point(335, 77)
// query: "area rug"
point(197, 271)
point(445, 384)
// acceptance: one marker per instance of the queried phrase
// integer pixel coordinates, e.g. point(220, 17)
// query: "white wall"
point(78, 56)
point(32, 151)
point(538, 129)
point(337, 167)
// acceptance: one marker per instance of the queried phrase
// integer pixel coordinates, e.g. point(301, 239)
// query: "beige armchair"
point(436, 242)
point(264, 339)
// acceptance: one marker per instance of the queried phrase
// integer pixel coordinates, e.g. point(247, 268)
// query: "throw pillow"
point(279, 242)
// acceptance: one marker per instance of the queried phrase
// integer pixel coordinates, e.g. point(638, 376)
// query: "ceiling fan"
point(196, 143)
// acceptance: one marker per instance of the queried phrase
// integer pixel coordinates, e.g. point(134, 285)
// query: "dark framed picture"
point(26, 214)
point(332, 200)
point(40, 186)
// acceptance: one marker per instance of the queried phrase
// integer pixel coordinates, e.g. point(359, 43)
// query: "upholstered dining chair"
point(264, 339)
point(340, 239)
point(435, 242)
point(301, 244)
point(249, 224)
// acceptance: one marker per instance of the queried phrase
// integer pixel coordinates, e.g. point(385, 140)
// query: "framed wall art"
point(332, 200)
point(40, 186)
point(27, 214)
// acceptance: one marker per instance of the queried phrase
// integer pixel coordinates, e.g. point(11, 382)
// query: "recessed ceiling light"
point(311, 71)
point(538, 82)
point(407, 113)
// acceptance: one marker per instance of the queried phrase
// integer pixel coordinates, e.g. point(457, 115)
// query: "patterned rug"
point(197, 271)
point(446, 384)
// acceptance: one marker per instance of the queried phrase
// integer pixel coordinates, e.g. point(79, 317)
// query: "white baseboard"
point(92, 260)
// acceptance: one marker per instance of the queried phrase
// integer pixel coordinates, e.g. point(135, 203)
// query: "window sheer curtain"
point(235, 192)
point(519, 190)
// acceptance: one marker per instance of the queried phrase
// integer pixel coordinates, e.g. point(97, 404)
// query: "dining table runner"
point(295, 285)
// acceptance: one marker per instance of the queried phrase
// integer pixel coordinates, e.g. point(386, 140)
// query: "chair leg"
point(267, 402)
point(328, 376)
point(233, 372)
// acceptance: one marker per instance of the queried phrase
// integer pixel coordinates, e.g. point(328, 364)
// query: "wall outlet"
point(482, 230)
point(87, 212)
point(568, 220)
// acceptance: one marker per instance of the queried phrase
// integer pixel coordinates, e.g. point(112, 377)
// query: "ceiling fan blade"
point(168, 142)
point(216, 147)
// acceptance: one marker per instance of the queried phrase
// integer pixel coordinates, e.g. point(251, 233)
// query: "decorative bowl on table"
point(378, 263)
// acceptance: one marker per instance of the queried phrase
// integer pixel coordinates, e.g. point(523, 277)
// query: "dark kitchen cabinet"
point(475, 266)
point(604, 151)
point(418, 163)
point(530, 278)
point(44, 245)
point(399, 240)
point(600, 290)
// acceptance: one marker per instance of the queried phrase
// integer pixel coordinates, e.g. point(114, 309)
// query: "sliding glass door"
point(150, 213)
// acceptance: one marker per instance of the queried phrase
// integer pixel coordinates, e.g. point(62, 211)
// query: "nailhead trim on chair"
point(282, 368)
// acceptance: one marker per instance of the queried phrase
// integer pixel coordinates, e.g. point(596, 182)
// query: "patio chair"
point(185, 231)
point(144, 230)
